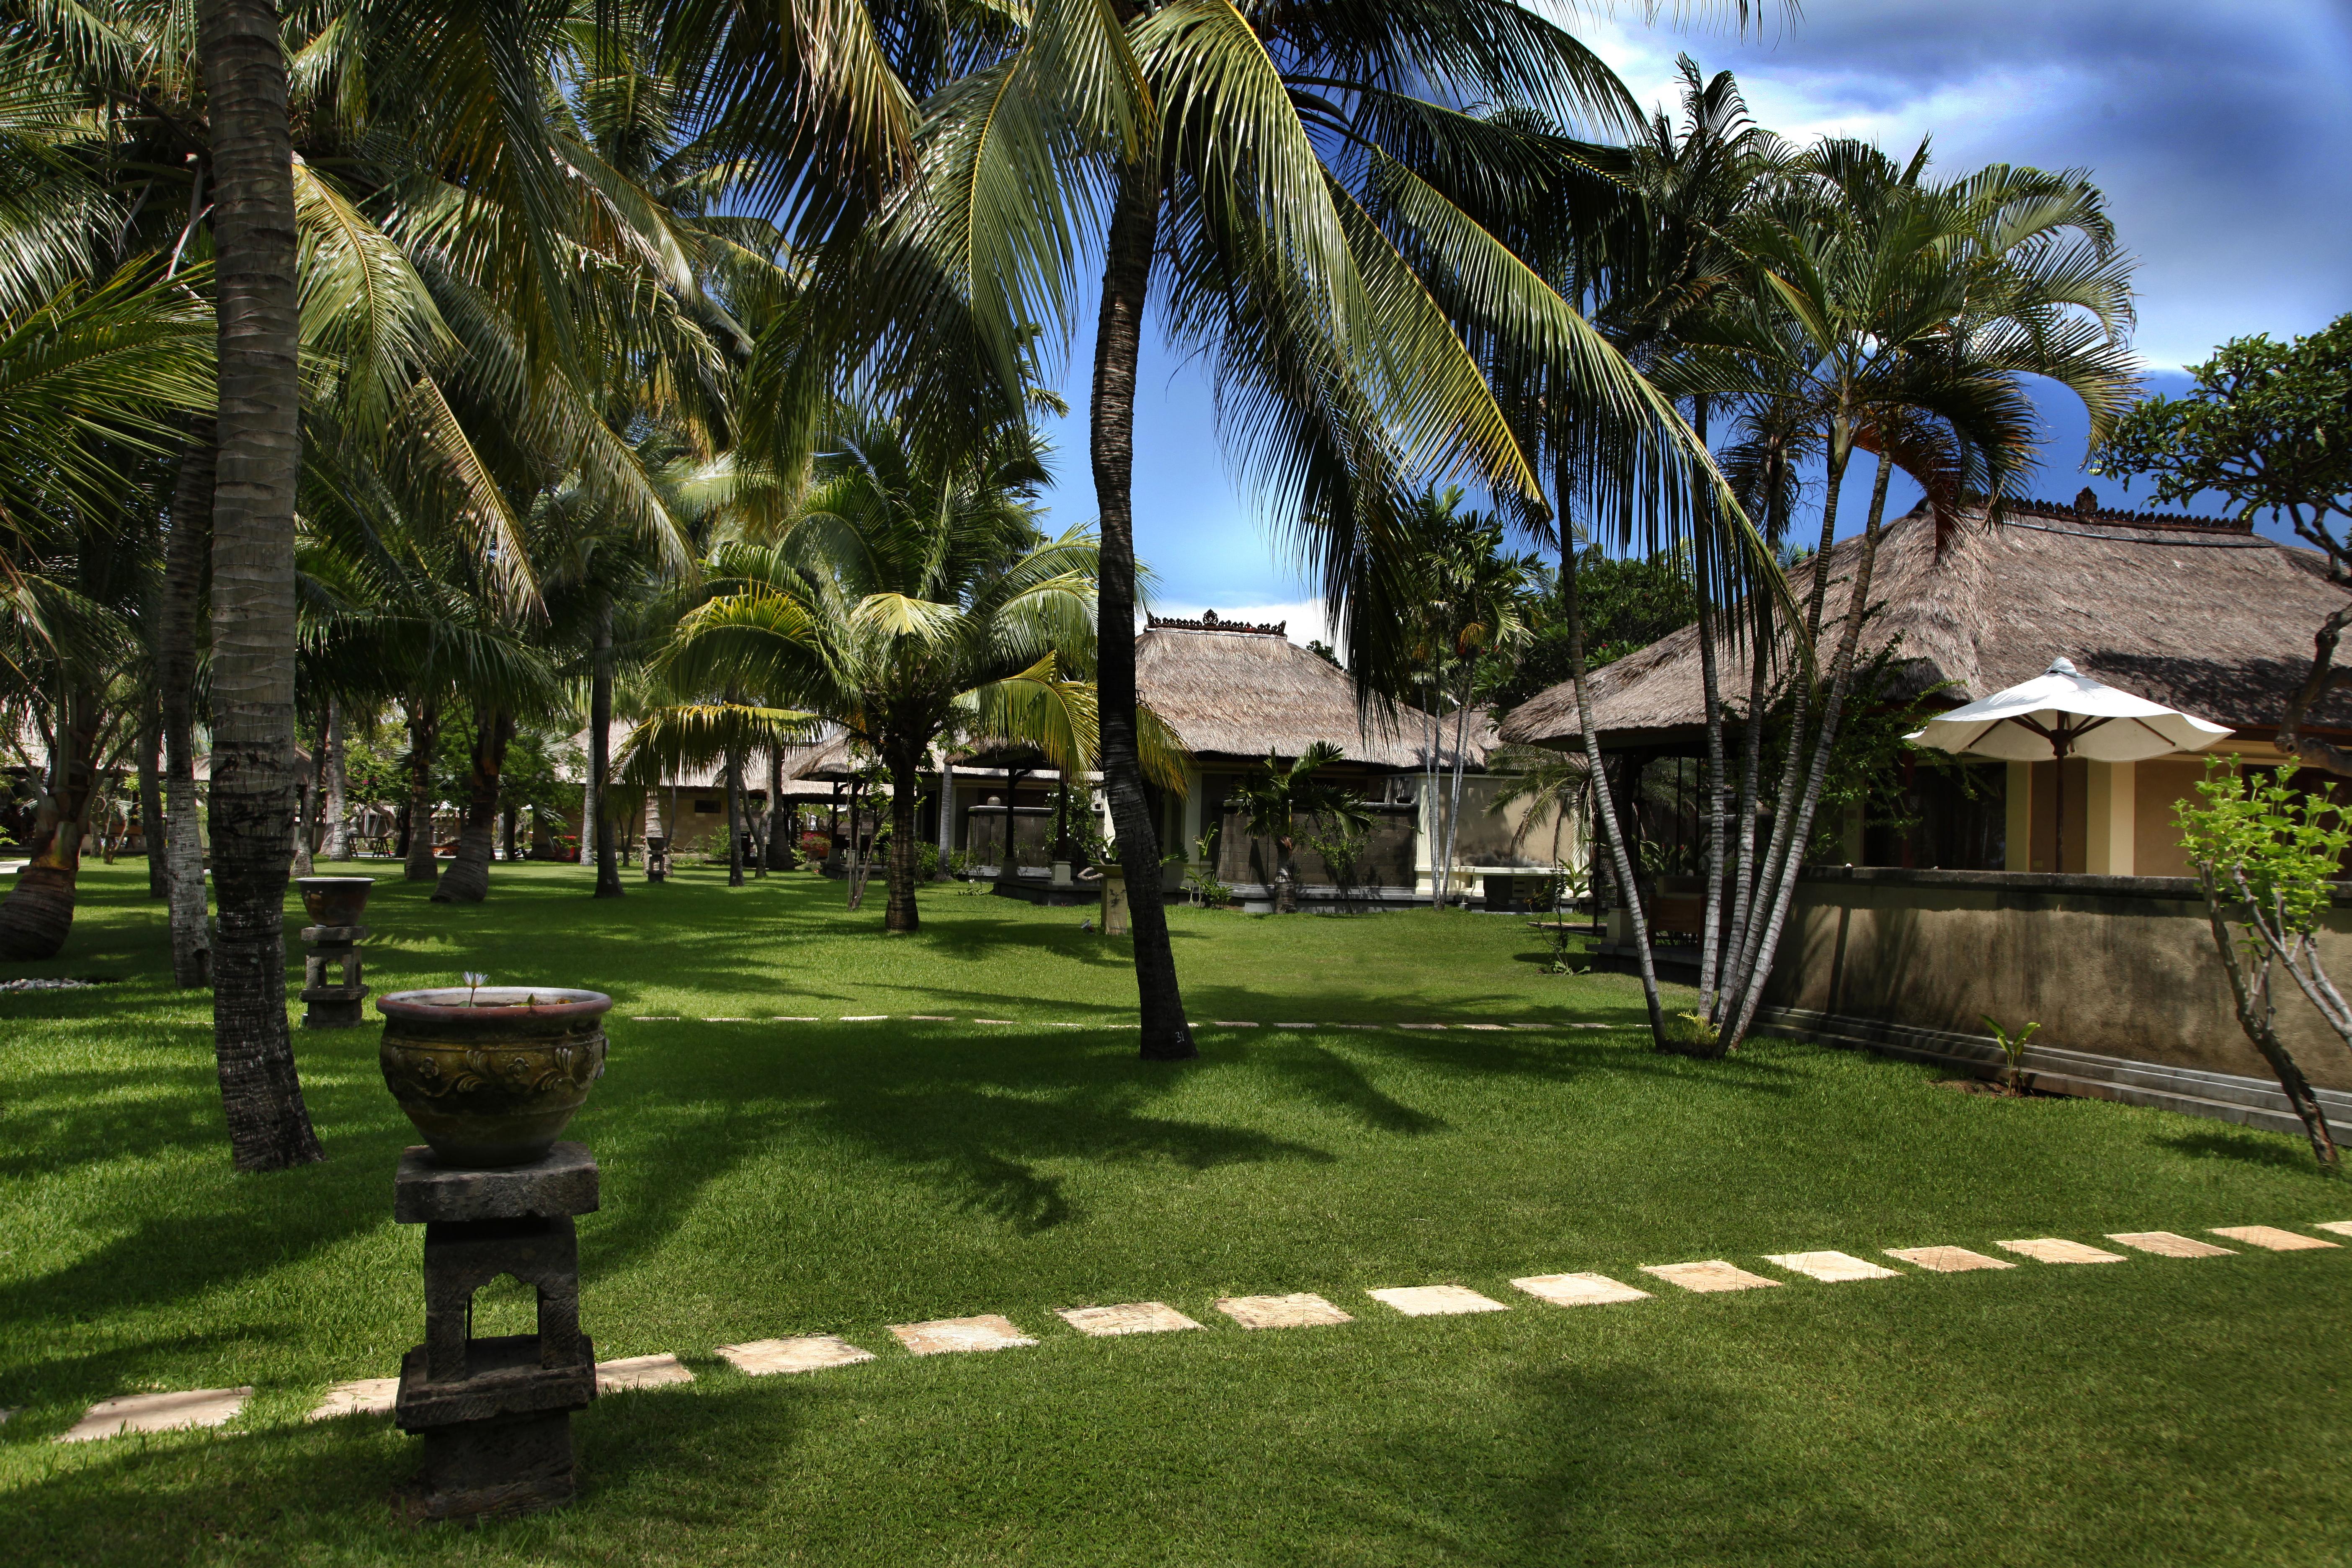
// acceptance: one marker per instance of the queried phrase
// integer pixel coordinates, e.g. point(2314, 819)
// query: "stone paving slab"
point(865, 1017)
point(366, 1396)
point(807, 1352)
point(1233, 1024)
point(7, 1413)
point(1947, 1259)
point(943, 1336)
point(2058, 1249)
point(731, 1020)
point(2165, 1244)
point(992, 1020)
point(662, 1371)
point(1129, 1318)
point(1712, 1274)
point(656, 1018)
point(1303, 1310)
point(1579, 1289)
point(1291, 1025)
point(797, 1019)
point(1436, 1300)
point(930, 1018)
point(1421, 1026)
point(1831, 1268)
point(158, 1413)
point(2340, 1227)
point(1493, 1027)
point(2272, 1237)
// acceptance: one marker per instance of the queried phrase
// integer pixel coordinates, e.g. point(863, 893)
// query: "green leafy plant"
point(2013, 1047)
point(1690, 1031)
point(2266, 855)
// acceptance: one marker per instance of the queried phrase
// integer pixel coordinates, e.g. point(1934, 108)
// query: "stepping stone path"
point(1705, 1277)
point(637, 1371)
point(367, 1396)
point(2055, 1249)
point(809, 1352)
point(2165, 1244)
point(158, 1413)
point(1436, 1300)
point(1300, 1311)
point(1579, 1289)
point(1947, 1259)
point(1833, 1267)
point(212, 1407)
point(943, 1336)
point(1133, 1318)
point(2271, 1236)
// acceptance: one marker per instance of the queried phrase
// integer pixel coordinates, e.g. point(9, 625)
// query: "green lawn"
point(767, 1179)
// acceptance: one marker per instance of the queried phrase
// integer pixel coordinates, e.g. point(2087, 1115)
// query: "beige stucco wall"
point(2116, 975)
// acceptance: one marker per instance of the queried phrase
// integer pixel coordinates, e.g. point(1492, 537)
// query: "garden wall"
point(2115, 969)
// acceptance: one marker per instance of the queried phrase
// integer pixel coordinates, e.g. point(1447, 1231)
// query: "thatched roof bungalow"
point(2202, 614)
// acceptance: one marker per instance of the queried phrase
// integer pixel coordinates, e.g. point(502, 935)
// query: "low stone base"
point(484, 1469)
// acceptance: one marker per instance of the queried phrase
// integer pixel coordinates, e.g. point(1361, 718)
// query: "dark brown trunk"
point(899, 913)
point(1118, 336)
point(186, 554)
point(424, 742)
point(36, 916)
point(259, 464)
point(600, 756)
point(780, 836)
point(2257, 1015)
point(734, 821)
point(151, 802)
point(468, 880)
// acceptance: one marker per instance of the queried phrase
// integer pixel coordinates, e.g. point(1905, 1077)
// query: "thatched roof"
point(2201, 615)
point(1232, 690)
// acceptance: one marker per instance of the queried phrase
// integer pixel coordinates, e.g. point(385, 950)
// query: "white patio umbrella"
point(2061, 713)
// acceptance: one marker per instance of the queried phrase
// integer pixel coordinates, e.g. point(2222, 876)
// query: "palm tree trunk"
point(339, 786)
point(1454, 799)
point(1710, 941)
point(36, 916)
point(598, 825)
point(468, 880)
point(1751, 767)
point(424, 740)
point(1604, 805)
point(1119, 335)
point(734, 821)
point(780, 837)
point(899, 913)
point(946, 801)
point(260, 461)
point(854, 866)
point(1737, 981)
point(184, 566)
point(1841, 677)
point(151, 801)
point(306, 813)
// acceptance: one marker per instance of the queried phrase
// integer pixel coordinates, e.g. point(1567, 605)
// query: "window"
point(707, 808)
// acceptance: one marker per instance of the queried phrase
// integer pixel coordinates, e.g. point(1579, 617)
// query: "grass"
point(767, 1179)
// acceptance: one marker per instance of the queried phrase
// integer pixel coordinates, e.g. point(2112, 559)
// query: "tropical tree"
point(908, 595)
point(2263, 427)
point(1276, 798)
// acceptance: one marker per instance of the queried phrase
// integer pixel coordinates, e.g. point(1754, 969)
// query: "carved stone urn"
point(491, 1075)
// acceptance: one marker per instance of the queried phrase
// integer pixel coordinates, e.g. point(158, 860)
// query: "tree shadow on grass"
point(2246, 1145)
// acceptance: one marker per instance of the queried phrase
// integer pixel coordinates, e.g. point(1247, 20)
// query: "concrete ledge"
point(2219, 1096)
point(2179, 887)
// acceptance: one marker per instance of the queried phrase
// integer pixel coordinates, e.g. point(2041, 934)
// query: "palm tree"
point(1284, 791)
point(908, 597)
point(1913, 309)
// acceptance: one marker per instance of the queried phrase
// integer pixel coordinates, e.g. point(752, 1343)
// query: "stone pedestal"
point(331, 982)
point(495, 1413)
point(1114, 882)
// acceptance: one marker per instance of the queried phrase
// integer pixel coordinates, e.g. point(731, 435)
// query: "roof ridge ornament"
point(1211, 621)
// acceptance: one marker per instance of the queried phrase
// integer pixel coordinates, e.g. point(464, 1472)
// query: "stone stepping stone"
point(158, 1413)
point(808, 1352)
point(1303, 1310)
point(2273, 1238)
point(865, 1017)
point(992, 1020)
point(1233, 1024)
point(1831, 1268)
point(662, 1371)
point(2165, 1244)
point(1290, 1025)
point(1579, 1289)
point(1947, 1259)
point(2057, 1249)
point(731, 1020)
point(1534, 1025)
point(929, 1018)
point(367, 1396)
point(656, 1018)
point(1421, 1026)
point(1436, 1300)
point(1356, 1025)
point(942, 1336)
point(798, 1018)
point(1132, 1318)
point(2340, 1227)
point(1712, 1274)
point(1493, 1027)
point(7, 1413)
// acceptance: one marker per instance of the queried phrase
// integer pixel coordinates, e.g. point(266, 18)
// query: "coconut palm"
point(908, 595)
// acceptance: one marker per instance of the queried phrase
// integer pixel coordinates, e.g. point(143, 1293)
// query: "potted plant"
point(491, 1074)
point(334, 900)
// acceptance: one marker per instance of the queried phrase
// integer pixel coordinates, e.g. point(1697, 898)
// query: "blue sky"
point(2218, 130)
